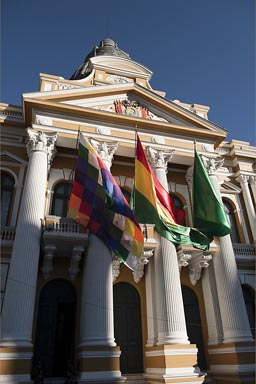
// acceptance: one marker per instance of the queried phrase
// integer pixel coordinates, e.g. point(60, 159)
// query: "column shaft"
point(18, 306)
point(98, 354)
point(232, 306)
point(97, 322)
point(170, 310)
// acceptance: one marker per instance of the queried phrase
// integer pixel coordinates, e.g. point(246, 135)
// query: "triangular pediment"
point(11, 159)
point(128, 103)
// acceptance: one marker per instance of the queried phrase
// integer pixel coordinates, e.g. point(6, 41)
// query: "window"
point(7, 188)
point(126, 194)
point(60, 199)
point(229, 210)
point(178, 212)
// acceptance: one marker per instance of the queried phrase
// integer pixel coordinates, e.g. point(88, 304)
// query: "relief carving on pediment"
point(134, 108)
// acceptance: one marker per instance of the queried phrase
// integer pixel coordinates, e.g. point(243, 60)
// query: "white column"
point(97, 321)
point(97, 317)
point(234, 318)
point(252, 181)
point(18, 306)
point(170, 310)
point(243, 180)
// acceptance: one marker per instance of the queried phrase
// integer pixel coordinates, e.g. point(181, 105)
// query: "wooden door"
point(127, 327)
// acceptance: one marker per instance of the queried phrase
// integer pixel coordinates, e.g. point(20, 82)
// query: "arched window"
point(179, 211)
point(232, 221)
point(7, 188)
point(249, 298)
point(61, 198)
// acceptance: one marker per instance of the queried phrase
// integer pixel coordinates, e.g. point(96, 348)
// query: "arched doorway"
point(193, 323)
point(249, 299)
point(55, 331)
point(127, 327)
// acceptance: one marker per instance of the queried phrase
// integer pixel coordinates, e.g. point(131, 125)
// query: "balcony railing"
point(244, 249)
point(7, 235)
point(62, 225)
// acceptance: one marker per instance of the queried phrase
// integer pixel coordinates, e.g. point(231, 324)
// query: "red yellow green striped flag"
point(152, 204)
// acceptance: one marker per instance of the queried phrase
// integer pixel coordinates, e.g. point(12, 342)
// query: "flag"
point(153, 205)
point(98, 204)
point(208, 212)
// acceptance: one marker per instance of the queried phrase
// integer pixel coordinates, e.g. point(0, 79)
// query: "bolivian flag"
point(152, 205)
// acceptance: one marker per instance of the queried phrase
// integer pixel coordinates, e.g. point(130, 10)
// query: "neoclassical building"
point(69, 307)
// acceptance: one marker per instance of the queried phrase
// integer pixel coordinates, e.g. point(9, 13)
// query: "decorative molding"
point(74, 261)
point(243, 179)
point(119, 79)
point(195, 267)
point(103, 131)
point(40, 141)
point(189, 178)
point(47, 267)
point(158, 158)
point(208, 147)
point(158, 140)
point(183, 259)
point(138, 272)
point(115, 267)
point(105, 150)
point(42, 120)
point(134, 108)
point(212, 165)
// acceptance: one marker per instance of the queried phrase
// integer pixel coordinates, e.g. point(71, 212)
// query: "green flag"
point(208, 212)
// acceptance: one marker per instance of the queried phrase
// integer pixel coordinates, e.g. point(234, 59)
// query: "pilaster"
point(243, 180)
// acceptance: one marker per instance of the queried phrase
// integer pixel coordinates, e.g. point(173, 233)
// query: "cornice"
point(147, 94)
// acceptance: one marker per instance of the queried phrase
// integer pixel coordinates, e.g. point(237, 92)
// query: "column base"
point(172, 364)
point(232, 363)
point(16, 365)
point(99, 364)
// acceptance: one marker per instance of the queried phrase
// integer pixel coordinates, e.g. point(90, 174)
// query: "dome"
point(107, 47)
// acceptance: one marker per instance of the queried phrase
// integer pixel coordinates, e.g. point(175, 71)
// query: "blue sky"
point(200, 51)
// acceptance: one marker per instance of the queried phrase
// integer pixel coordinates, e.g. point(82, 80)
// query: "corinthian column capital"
point(243, 179)
point(105, 150)
point(43, 142)
point(159, 159)
point(212, 165)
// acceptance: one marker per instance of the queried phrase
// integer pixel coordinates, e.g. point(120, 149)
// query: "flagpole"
point(132, 199)
point(76, 154)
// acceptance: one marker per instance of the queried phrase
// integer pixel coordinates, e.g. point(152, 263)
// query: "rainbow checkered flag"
point(98, 204)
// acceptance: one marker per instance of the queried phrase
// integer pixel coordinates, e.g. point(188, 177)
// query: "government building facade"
point(71, 310)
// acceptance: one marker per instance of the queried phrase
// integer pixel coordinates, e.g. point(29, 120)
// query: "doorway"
point(55, 332)
point(193, 323)
point(127, 327)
